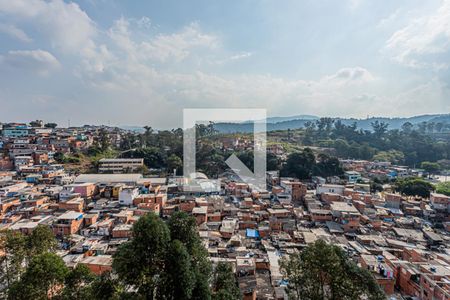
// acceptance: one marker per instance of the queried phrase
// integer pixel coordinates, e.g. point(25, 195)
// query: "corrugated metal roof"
point(108, 178)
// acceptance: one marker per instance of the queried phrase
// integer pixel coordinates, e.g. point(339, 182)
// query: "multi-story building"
point(440, 202)
point(120, 165)
point(15, 131)
point(68, 223)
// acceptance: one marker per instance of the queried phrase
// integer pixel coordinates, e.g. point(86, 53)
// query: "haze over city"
point(140, 63)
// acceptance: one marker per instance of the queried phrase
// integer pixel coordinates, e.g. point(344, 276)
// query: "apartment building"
point(440, 202)
point(68, 223)
point(120, 165)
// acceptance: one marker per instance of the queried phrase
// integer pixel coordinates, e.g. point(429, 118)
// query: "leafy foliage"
point(77, 283)
point(44, 276)
point(414, 187)
point(20, 250)
point(166, 261)
point(393, 156)
point(322, 271)
point(300, 164)
point(140, 261)
point(430, 167)
point(40, 241)
point(303, 165)
point(224, 283)
point(411, 145)
point(106, 287)
point(51, 125)
point(13, 245)
point(443, 188)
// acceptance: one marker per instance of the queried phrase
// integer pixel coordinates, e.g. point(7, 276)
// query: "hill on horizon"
point(296, 122)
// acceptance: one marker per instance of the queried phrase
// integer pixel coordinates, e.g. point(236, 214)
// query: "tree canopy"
point(322, 271)
point(430, 167)
point(224, 283)
point(443, 188)
point(164, 261)
point(304, 164)
point(414, 186)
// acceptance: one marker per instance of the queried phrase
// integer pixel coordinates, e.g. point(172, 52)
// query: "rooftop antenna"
point(68, 123)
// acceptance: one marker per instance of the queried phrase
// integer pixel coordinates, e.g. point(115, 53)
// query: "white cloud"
point(37, 61)
point(66, 26)
point(350, 76)
point(163, 47)
point(430, 96)
point(179, 45)
point(424, 42)
point(143, 86)
point(15, 32)
point(137, 75)
point(144, 22)
point(241, 55)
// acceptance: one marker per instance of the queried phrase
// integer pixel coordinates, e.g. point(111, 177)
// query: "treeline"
point(410, 145)
point(163, 260)
point(163, 150)
point(304, 164)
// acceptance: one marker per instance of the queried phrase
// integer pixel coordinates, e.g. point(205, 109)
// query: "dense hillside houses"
point(403, 241)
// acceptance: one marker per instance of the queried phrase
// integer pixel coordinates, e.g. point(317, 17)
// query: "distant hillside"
point(295, 122)
point(285, 119)
point(136, 129)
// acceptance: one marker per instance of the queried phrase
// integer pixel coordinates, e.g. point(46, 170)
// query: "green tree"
point(430, 167)
point(13, 244)
point(184, 228)
point(50, 125)
point(106, 287)
point(444, 164)
point(273, 162)
point(77, 283)
point(103, 140)
point(20, 250)
point(36, 123)
point(407, 127)
point(148, 136)
point(323, 271)
point(153, 156)
point(140, 262)
point(327, 166)
point(179, 276)
point(414, 186)
point(375, 187)
point(443, 188)
point(379, 128)
point(300, 164)
point(41, 240)
point(393, 156)
point(174, 163)
point(43, 278)
point(224, 283)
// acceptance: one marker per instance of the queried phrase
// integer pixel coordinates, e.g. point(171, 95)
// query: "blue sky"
point(142, 62)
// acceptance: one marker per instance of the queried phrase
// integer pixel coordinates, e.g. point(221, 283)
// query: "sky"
point(142, 62)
